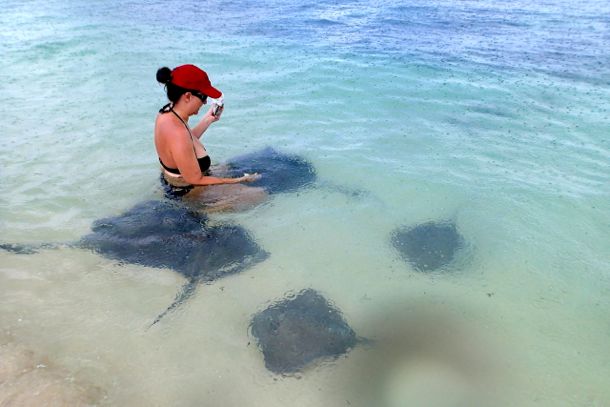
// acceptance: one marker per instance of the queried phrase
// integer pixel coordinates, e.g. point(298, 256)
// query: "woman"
point(184, 160)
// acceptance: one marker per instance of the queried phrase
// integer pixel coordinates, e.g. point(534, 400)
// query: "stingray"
point(299, 330)
point(164, 234)
point(428, 246)
point(280, 172)
point(283, 173)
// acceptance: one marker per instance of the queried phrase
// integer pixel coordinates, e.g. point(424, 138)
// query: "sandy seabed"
point(30, 379)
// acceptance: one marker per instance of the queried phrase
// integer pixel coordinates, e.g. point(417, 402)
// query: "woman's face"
point(196, 101)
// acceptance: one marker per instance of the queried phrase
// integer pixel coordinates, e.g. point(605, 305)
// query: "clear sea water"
point(491, 114)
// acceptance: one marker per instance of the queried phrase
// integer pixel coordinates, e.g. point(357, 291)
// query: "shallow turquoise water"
point(495, 115)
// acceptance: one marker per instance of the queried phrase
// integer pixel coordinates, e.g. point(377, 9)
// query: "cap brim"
point(212, 92)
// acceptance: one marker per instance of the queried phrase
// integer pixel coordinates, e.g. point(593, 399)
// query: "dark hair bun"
point(164, 75)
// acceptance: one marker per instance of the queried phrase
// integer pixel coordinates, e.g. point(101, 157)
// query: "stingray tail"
point(185, 293)
point(352, 192)
point(365, 341)
point(18, 248)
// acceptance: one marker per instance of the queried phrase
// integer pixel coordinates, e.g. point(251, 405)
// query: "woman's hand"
point(206, 121)
point(210, 114)
point(250, 177)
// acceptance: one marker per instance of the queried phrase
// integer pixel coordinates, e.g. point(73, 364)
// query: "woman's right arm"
point(184, 157)
point(209, 180)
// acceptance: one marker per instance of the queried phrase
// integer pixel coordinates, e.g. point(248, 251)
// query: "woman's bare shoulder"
point(165, 126)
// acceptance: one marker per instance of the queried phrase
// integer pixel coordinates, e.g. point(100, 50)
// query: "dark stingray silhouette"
point(280, 172)
point(428, 246)
point(299, 330)
point(283, 173)
point(166, 234)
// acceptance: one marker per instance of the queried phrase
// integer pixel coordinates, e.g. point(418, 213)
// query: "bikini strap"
point(166, 108)
point(171, 109)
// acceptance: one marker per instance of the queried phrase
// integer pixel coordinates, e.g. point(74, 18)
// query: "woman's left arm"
point(205, 122)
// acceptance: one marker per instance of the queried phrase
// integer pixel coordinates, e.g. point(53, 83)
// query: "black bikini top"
point(204, 165)
point(204, 162)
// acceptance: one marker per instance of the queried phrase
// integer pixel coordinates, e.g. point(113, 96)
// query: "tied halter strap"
point(170, 108)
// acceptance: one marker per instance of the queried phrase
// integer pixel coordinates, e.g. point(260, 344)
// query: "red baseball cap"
point(192, 78)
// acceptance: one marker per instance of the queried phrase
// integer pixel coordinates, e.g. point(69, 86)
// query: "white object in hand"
point(218, 105)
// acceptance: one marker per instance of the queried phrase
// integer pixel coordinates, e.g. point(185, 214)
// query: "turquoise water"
point(494, 115)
